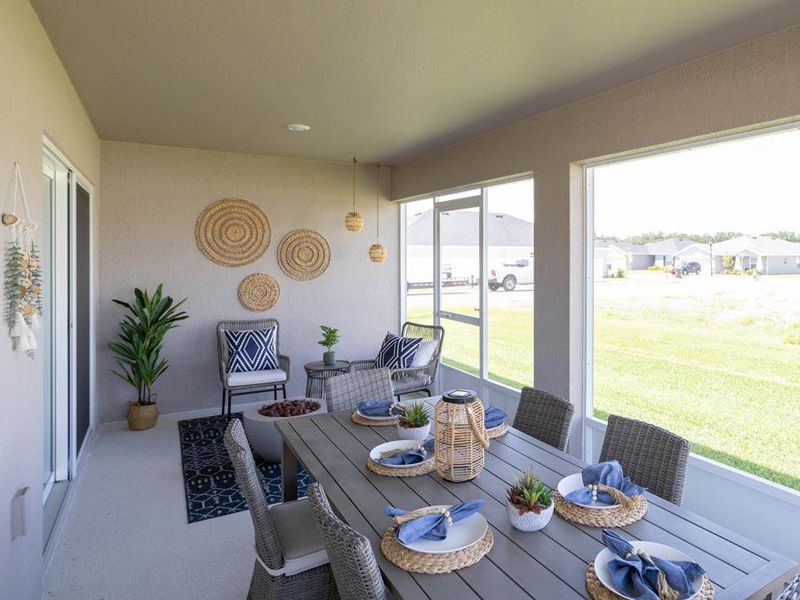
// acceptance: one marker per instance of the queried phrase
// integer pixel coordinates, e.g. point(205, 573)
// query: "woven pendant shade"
point(354, 220)
point(460, 436)
point(259, 292)
point(377, 253)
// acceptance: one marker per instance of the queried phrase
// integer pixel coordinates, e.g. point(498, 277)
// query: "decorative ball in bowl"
point(529, 503)
point(415, 422)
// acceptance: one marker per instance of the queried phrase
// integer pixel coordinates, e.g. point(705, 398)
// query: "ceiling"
point(381, 79)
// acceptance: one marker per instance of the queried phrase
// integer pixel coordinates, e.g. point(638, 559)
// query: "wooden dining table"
point(550, 563)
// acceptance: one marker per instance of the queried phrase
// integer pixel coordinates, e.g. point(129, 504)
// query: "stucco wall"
point(749, 84)
point(36, 96)
point(154, 196)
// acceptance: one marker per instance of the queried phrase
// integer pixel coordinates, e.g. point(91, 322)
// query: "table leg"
point(289, 474)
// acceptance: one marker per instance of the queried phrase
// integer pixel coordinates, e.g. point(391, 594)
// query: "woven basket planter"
point(460, 436)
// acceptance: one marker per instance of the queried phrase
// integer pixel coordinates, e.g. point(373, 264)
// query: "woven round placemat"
point(423, 468)
point(609, 517)
point(359, 420)
point(304, 254)
point(598, 591)
point(232, 232)
point(259, 292)
point(495, 432)
point(420, 562)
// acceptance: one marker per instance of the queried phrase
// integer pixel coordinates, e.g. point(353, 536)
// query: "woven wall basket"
point(304, 254)
point(232, 232)
point(259, 292)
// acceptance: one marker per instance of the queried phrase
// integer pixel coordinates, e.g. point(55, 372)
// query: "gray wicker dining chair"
point(792, 591)
point(239, 384)
point(291, 561)
point(344, 392)
point(418, 377)
point(352, 558)
point(651, 456)
point(544, 416)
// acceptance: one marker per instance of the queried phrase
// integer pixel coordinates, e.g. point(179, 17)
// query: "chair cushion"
point(397, 352)
point(251, 350)
point(301, 541)
point(424, 353)
point(256, 377)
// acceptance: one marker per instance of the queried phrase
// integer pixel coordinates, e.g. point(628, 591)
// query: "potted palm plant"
point(530, 503)
point(415, 421)
point(330, 337)
point(138, 350)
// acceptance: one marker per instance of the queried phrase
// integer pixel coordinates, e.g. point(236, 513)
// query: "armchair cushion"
point(397, 352)
point(256, 377)
point(251, 350)
point(301, 541)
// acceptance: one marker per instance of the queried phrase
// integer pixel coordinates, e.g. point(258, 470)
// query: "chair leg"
point(230, 402)
point(283, 387)
point(427, 391)
point(275, 393)
point(222, 413)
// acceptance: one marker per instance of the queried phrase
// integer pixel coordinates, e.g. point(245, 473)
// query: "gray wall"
point(154, 196)
point(732, 90)
point(36, 96)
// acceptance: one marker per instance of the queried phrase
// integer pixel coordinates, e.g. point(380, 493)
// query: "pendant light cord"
point(378, 204)
point(354, 184)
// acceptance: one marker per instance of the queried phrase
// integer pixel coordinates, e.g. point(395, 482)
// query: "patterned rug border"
point(270, 472)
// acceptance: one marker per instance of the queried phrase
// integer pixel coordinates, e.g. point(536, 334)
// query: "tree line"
point(703, 238)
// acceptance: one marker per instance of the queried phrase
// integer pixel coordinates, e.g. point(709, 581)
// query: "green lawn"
point(686, 357)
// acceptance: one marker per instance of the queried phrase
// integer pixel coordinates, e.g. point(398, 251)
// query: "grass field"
point(716, 360)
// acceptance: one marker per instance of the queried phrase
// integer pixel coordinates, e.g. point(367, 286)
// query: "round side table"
point(316, 374)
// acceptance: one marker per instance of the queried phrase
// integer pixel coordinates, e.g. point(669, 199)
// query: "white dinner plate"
point(375, 453)
point(460, 535)
point(653, 549)
point(573, 482)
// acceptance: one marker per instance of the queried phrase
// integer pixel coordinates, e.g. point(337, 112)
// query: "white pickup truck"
point(508, 275)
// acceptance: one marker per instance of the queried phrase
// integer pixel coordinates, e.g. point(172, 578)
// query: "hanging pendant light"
point(354, 221)
point(377, 252)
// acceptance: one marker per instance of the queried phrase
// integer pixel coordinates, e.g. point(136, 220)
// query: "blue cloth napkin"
point(493, 417)
point(637, 577)
point(410, 457)
point(607, 473)
point(432, 527)
point(375, 408)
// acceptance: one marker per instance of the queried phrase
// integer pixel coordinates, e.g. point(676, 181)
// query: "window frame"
point(481, 190)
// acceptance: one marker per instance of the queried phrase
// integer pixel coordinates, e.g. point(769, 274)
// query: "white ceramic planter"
point(417, 433)
point(263, 436)
point(529, 521)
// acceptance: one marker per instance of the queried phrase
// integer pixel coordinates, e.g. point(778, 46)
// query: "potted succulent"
point(415, 422)
point(138, 350)
point(530, 503)
point(330, 337)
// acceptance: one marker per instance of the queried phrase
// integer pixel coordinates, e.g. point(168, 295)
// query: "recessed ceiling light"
point(298, 127)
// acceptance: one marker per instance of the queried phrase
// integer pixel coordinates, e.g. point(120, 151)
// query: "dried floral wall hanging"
point(23, 275)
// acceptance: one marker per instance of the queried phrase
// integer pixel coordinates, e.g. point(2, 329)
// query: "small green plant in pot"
point(138, 350)
point(415, 421)
point(330, 337)
point(530, 503)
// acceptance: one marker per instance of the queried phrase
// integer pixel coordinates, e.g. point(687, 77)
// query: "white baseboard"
point(186, 414)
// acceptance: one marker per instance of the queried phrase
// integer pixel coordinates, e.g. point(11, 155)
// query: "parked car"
point(508, 275)
point(692, 268)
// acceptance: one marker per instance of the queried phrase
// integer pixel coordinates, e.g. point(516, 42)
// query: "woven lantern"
point(377, 252)
point(354, 220)
point(460, 435)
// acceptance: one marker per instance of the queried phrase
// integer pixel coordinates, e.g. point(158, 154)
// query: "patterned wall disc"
point(232, 232)
point(304, 254)
point(259, 292)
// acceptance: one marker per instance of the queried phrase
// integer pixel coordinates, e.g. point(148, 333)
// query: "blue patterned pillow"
point(251, 350)
point(397, 352)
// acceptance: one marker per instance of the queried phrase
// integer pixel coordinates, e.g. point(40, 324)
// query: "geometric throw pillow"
point(397, 352)
point(251, 350)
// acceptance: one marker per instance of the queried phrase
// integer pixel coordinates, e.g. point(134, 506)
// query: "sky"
point(749, 185)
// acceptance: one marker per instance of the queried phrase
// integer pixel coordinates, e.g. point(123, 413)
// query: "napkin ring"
point(421, 512)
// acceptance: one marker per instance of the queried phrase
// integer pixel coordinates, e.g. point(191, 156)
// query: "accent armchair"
point(252, 382)
point(420, 375)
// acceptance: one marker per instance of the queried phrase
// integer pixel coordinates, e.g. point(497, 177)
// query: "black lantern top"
point(459, 396)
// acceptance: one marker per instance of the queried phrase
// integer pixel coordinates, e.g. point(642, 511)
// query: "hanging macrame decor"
point(23, 275)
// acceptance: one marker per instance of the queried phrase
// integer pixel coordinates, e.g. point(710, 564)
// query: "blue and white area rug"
point(208, 477)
